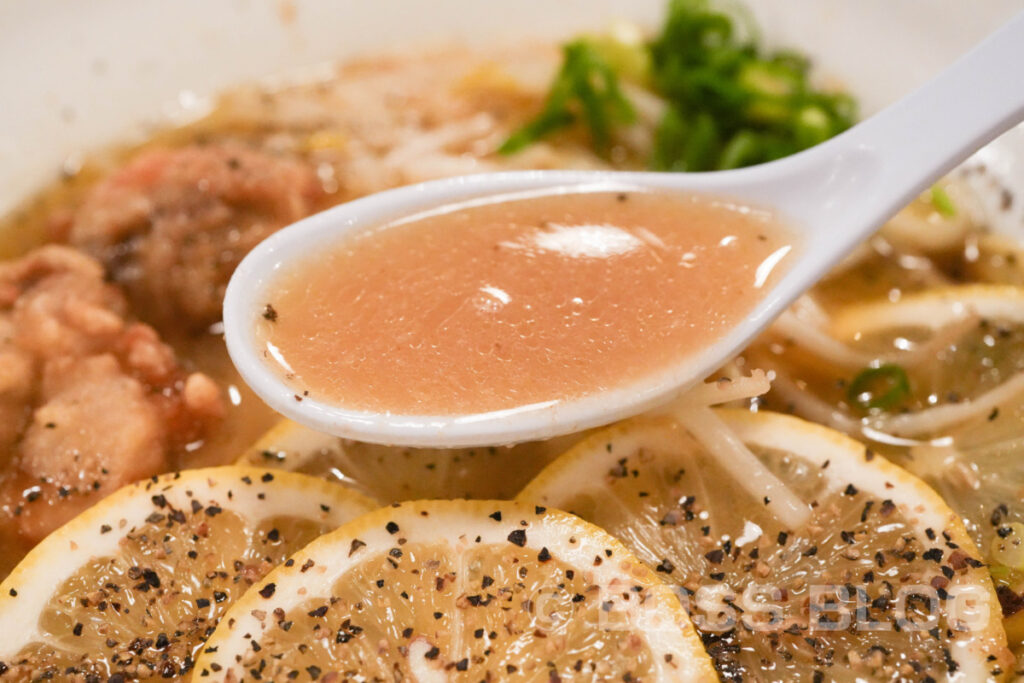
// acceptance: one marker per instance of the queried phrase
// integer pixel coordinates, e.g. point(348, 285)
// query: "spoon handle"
point(925, 135)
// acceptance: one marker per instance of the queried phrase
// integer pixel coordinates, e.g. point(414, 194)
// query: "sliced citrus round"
point(133, 586)
point(458, 590)
point(880, 583)
point(934, 381)
point(395, 473)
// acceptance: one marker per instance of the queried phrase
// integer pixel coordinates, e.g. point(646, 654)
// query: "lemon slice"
point(132, 586)
point(881, 583)
point(458, 590)
point(395, 473)
point(957, 422)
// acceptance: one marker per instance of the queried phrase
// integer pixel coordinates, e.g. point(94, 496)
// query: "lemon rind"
point(25, 593)
point(549, 528)
point(848, 462)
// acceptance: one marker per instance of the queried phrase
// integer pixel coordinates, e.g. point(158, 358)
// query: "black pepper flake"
point(268, 590)
point(219, 596)
point(391, 527)
point(318, 612)
point(150, 577)
point(715, 556)
point(203, 603)
point(935, 555)
point(313, 671)
point(407, 632)
point(517, 537)
point(267, 477)
point(665, 567)
point(486, 582)
point(462, 664)
point(13, 593)
point(432, 653)
point(356, 545)
point(783, 537)
point(997, 515)
point(850, 490)
point(539, 509)
point(270, 313)
point(543, 555)
point(496, 516)
point(1009, 600)
point(77, 630)
point(867, 509)
point(213, 511)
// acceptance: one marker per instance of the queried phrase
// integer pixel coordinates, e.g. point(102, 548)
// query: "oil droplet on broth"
point(497, 305)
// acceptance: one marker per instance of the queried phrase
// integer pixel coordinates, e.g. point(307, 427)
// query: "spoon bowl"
point(830, 197)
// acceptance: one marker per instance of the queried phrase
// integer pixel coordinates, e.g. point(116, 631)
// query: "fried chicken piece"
point(172, 225)
point(89, 401)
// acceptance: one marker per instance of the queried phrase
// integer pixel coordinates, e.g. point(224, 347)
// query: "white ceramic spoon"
point(832, 197)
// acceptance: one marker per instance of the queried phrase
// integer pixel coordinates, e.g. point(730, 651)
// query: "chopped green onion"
point(883, 387)
point(625, 51)
point(587, 88)
point(741, 148)
point(728, 103)
point(670, 143)
point(942, 202)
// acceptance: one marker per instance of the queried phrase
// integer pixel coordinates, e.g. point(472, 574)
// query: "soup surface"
point(518, 301)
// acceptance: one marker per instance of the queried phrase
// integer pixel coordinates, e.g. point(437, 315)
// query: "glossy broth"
point(514, 302)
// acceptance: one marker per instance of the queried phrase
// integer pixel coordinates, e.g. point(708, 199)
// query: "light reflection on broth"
point(513, 302)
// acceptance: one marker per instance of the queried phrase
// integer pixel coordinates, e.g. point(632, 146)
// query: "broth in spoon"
point(515, 301)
